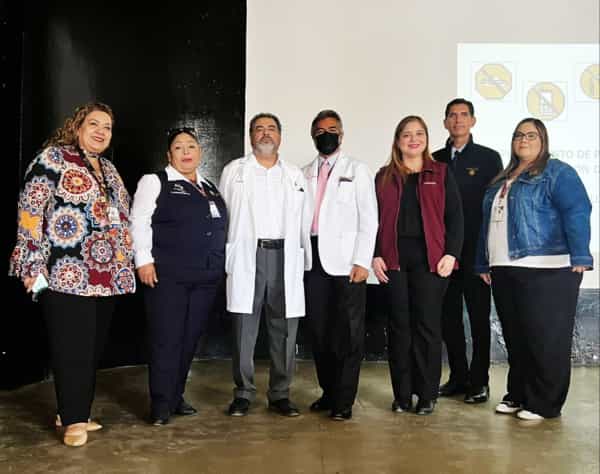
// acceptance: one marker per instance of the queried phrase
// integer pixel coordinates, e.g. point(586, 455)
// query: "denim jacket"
point(548, 214)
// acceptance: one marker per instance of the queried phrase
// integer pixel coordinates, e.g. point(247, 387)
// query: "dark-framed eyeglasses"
point(529, 136)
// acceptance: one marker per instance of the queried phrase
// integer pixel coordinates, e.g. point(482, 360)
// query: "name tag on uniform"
point(179, 189)
point(214, 210)
point(113, 216)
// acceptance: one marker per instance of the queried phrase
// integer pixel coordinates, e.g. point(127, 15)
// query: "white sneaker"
point(529, 415)
point(508, 407)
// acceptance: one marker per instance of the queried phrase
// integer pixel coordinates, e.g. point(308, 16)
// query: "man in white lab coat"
point(267, 251)
point(343, 229)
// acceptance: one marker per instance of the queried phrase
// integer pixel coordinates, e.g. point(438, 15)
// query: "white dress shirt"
point(142, 209)
point(268, 199)
point(331, 160)
point(456, 150)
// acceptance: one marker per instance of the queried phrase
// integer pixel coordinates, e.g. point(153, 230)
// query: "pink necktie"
point(321, 185)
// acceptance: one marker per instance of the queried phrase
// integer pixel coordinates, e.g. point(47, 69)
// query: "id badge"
point(498, 213)
point(214, 210)
point(113, 216)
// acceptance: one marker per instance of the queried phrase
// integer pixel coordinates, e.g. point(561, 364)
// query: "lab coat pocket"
point(345, 191)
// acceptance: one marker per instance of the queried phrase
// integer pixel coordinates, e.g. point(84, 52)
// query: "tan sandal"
point(91, 424)
point(75, 437)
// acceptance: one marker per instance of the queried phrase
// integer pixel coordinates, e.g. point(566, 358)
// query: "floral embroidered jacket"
point(67, 229)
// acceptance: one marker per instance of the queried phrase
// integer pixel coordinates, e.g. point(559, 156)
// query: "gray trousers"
point(268, 295)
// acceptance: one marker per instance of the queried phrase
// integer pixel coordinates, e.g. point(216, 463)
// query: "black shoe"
point(239, 407)
point(341, 415)
point(159, 420)
point(425, 407)
point(478, 394)
point(322, 404)
point(284, 407)
point(451, 388)
point(185, 409)
point(402, 405)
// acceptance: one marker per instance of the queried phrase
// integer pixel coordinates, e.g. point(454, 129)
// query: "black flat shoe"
point(451, 388)
point(185, 409)
point(322, 404)
point(425, 407)
point(341, 415)
point(478, 394)
point(239, 407)
point(284, 407)
point(400, 406)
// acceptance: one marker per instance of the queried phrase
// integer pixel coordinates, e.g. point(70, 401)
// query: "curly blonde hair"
point(67, 134)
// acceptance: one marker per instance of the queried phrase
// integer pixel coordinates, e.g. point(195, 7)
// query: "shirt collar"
point(255, 162)
point(174, 175)
point(453, 149)
point(331, 159)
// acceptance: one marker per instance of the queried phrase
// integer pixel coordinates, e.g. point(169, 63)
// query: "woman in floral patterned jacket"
point(73, 236)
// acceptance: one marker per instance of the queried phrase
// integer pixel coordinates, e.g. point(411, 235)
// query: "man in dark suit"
point(474, 166)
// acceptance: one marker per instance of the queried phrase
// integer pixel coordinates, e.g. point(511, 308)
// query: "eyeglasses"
point(529, 136)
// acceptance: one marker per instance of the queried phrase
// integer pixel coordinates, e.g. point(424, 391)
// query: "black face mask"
point(327, 142)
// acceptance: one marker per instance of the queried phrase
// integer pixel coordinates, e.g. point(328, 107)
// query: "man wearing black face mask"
point(341, 192)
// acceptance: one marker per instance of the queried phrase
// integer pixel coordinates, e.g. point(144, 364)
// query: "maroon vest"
point(431, 193)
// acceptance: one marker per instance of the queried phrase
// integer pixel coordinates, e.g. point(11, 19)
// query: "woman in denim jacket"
point(533, 249)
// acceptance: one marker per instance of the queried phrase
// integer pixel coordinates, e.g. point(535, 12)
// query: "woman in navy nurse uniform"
point(178, 223)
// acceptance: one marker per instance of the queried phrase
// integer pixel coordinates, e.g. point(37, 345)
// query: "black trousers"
point(177, 315)
point(477, 296)
point(77, 330)
point(414, 326)
point(335, 311)
point(536, 308)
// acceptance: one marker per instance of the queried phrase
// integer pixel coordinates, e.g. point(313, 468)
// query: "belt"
point(270, 243)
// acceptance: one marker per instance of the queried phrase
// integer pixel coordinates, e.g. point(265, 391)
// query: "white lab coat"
point(237, 188)
point(348, 217)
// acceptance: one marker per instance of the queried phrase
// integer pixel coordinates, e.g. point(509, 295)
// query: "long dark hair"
point(541, 160)
point(396, 163)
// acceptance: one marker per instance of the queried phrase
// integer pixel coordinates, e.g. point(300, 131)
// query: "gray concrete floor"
point(456, 439)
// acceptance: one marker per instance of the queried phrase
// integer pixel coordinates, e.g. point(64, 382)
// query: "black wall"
point(157, 67)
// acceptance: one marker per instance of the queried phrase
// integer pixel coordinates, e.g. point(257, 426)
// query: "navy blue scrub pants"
point(177, 315)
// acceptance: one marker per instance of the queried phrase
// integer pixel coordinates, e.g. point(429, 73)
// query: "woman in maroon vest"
point(420, 235)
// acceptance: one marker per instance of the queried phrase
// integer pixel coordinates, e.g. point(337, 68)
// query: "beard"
point(265, 148)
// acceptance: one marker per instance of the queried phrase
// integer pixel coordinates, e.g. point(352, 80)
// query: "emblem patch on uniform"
point(179, 189)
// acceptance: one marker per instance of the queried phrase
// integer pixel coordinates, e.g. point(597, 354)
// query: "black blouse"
point(410, 223)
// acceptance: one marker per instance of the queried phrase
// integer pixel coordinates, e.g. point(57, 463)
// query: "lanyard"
point(102, 184)
point(505, 188)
